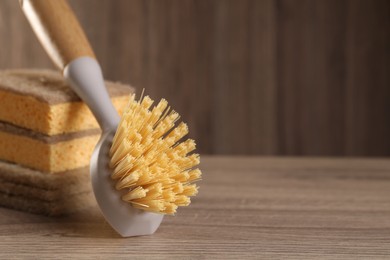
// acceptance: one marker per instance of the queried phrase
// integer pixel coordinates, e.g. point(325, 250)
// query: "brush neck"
point(84, 75)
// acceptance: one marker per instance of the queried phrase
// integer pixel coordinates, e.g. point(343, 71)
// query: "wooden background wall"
point(291, 77)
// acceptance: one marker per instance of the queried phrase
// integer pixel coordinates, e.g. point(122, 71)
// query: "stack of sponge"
point(47, 135)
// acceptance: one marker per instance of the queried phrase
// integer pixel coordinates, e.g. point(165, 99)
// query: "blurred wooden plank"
point(20, 47)
point(247, 208)
point(179, 60)
point(311, 77)
point(368, 78)
point(245, 78)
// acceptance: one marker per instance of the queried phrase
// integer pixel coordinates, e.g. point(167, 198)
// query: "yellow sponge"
point(43, 123)
point(40, 100)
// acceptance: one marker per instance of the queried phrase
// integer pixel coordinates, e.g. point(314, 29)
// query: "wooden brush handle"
point(58, 30)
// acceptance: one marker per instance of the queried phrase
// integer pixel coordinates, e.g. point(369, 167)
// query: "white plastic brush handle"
point(85, 77)
point(64, 40)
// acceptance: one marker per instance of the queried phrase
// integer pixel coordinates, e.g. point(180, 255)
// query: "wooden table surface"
point(248, 207)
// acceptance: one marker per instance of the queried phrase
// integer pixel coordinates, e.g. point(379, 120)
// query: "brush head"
point(85, 77)
point(153, 169)
point(127, 221)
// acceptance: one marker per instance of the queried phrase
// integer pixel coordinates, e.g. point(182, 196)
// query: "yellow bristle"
point(179, 132)
point(146, 103)
point(177, 187)
point(145, 132)
point(155, 191)
point(194, 175)
point(138, 205)
point(136, 193)
point(188, 162)
point(133, 136)
point(158, 111)
point(166, 124)
point(170, 208)
point(153, 205)
point(120, 153)
point(190, 190)
point(184, 148)
point(145, 178)
point(168, 195)
point(135, 150)
point(127, 181)
point(148, 159)
point(182, 200)
point(125, 165)
point(119, 135)
point(181, 177)
point(139, 164)
point(120, 132)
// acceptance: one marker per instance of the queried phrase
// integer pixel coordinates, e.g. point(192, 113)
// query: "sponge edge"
point(42, 101)
point(51, 208)
point(79, 178)
point(36, 192)
point(50, 157)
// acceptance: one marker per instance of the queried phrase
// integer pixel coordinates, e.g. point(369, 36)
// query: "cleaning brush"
point(140, 168)
point(149, 163)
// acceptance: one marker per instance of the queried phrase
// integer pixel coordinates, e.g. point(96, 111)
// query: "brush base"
point(125, 219)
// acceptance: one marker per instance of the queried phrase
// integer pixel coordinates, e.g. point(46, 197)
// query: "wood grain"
point(293, 77)
point(244, 56)
point(58, 30)
point(368, 77)
point(247, 208)
point(311, 65)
